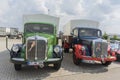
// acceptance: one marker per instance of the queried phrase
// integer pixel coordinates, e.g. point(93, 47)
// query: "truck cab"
point(88, 44)
point(39, 46)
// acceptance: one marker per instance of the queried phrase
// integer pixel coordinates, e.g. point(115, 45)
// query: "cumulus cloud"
point(3, 7)
point(104, 11)
point(14, 10)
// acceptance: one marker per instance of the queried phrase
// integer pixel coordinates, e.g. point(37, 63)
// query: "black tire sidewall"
point(17, 67)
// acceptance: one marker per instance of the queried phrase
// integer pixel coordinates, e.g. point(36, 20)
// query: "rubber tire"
point(66, 50)
point(17, 67)
point(75, 61)
point(118, 57)
point(107, 63)
point(57, 66)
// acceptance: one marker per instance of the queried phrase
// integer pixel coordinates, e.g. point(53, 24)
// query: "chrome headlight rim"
point(83, 48)
point(56, 49)
point(15, 48)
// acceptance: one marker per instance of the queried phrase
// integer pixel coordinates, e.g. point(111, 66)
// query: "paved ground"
point(68, 70)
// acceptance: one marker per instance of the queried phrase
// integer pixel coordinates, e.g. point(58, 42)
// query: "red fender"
point(118, 52)
point(110, 52)
point(78, 50)
point(113, 54)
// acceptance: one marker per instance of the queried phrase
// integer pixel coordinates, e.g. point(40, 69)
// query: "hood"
point(49, 38)
point(88, 41)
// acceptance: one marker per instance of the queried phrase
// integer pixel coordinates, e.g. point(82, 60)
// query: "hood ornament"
point(32, 45)
point(98, 47)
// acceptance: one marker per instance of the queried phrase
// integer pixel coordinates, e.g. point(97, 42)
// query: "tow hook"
point(102, 58)
point(36, 67)
point(41, 65)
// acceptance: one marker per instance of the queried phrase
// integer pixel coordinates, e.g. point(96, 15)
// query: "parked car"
point(115, 46)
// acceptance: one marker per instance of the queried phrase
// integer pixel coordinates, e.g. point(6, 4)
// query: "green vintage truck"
point(40, 46)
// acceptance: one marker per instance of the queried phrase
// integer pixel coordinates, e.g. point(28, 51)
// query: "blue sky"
point(107, 12)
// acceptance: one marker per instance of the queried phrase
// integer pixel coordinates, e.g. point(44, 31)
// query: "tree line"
point(106, 36)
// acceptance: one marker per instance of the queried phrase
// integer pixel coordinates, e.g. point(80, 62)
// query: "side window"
point(75, 32)
point(99, 34)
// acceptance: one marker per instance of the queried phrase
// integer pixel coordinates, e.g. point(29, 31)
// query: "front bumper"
point(23, 61)
point(112, 58)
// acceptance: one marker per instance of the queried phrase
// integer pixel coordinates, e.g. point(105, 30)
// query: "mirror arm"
point(7, 44)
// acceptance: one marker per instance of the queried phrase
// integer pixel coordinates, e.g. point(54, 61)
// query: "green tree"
point(105, 36)
point(115, 37)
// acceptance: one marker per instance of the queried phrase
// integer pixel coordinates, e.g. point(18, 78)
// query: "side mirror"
point(71, 33)
point(7, 44)
point(60, 42)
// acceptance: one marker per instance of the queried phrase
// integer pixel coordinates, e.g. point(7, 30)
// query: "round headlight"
point(15, 48)
point(83, 48)
point(56, 49)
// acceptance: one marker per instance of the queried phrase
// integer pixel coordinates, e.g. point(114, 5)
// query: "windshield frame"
point(51, 25)
point(100, 33)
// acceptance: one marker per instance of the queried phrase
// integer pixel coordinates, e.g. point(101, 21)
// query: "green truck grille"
point(36, 50)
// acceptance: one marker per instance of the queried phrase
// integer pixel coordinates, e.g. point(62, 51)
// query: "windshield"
point(39, 28)
point(89, 33)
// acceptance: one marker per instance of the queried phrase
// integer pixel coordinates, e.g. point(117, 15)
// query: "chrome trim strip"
point(54, 59)
point(46, 51)
point(26, 49)
point(38, 38)
point(36, 48)
point(22, 59)
point(18, 59)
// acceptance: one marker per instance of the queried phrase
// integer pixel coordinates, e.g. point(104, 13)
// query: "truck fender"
point(110, 52)
point(77, 50)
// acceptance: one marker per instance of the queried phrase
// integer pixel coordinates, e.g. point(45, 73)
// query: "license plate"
point(35, 63)
point(102, 58)
point(88, 61)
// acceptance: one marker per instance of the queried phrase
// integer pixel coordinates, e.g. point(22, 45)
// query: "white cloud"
point(105, 11)
point(12, 15)
point(112, 22)
point(3, 7)
point(54, 6)
point(40, 5)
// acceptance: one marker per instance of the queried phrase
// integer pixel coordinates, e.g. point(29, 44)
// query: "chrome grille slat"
point(41, 48)
point(104, 48)
point(30, 53)
point(99, 48)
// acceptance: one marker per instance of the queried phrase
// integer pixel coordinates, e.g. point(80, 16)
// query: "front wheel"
point(107, 63)
point(66, 50)
point(75, 60)
point(57, 66)
point(17, 67)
